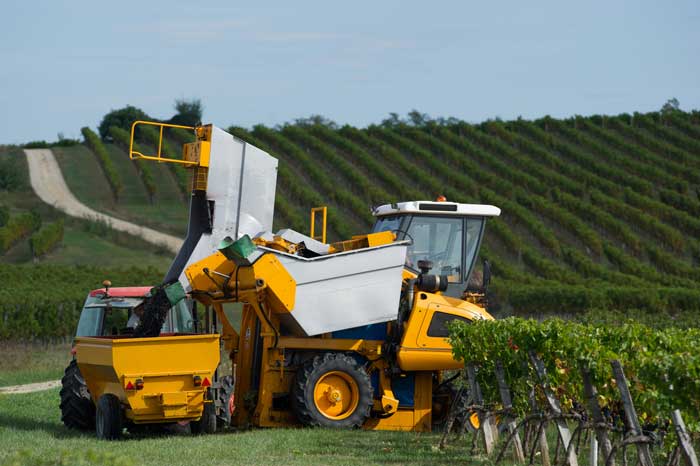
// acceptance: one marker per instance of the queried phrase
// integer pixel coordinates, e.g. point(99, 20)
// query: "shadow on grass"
point(14, 422)
point(59, 431)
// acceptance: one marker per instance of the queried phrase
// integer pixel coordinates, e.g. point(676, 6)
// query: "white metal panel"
point(346, 290)
point(257, 198)
point(241, 181)
point(481, 210)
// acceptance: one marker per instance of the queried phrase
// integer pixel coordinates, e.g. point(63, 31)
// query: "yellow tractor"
point(347, 334)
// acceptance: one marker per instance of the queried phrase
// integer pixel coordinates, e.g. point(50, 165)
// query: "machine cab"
point(447, 234)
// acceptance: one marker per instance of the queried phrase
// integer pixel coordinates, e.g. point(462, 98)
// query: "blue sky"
point(63, 65)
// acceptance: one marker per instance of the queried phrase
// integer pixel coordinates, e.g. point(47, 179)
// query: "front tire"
point(332, 390)
point(108, 421)
point(77, 408)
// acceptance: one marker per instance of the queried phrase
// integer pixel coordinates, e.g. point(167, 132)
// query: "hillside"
point(598, 212)
point(82, 242)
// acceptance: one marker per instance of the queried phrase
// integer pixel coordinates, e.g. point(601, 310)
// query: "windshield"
point(116, 316)
point(438, 240)
point(442, 241)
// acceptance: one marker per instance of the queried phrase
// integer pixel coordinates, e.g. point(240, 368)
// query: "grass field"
point(31, 434)
point(84, 242)
point(168, 212)
point(32, 362)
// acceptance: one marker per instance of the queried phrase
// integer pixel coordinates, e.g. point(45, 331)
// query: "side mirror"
point(486, 276)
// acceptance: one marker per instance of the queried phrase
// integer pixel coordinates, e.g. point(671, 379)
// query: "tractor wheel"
point(207, 423)
point(226, 401)
point(108, 420)
point(332, 390)
point(77, 408)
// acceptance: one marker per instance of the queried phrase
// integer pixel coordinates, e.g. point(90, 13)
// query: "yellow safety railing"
point(159, 157)
point(324, 211)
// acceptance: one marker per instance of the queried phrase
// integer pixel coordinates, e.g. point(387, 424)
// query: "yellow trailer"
point(150, 380)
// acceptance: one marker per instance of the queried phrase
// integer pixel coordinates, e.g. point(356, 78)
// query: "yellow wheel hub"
point(474, 420)
point(336, 395)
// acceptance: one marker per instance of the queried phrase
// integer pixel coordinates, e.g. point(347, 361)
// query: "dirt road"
point(48, 183)
point(30, 387)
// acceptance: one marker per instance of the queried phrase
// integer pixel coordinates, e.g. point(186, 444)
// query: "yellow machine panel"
point(154, 377)
point(197, 153)
point(424, 345)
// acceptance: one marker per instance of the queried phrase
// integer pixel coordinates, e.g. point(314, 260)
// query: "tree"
point(671, 105)
point(11, 178)
point(121, 118)
point(189, 112)
point(316, 120)
point(417, 118)
point(393, 121)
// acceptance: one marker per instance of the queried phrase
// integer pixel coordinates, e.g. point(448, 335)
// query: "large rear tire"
point(332, 390)
point(108, 420)
point(77, 408)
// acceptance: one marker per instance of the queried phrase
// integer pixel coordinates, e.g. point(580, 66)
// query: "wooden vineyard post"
point(594, 451)
point(591, 394)
point(537, 436)
point(553, 402)
point(455, 406)
point(631, 413)
point(684, 439)
point(544, 446)
point(485, 422)
point(508, 404)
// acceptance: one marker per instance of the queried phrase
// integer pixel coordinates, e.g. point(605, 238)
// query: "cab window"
point(389, 223)
point(438, 324)
point(115, 321)
point(438, 240)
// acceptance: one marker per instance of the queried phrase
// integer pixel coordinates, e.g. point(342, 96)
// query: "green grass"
point(134, 190)
point(168, 212)
point(84, 242)
point(31, 433)
point(84, 176)
point(89, 249)
point(32, 362)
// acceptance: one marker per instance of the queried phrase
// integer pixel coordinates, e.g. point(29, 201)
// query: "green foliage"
point(11, 173)
point(188, 112)
point(552, 298)
point(37, 145)
point(151, 136)
point(671, 106)
point(62, 142)
point(18, 227)
point(44, 301)
point(655, 143)
point(123, 138)
point(122, 118)
point(110, 171)
point(357, 179)
point(4, 215)
point(662, 365)
point(47, 238)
